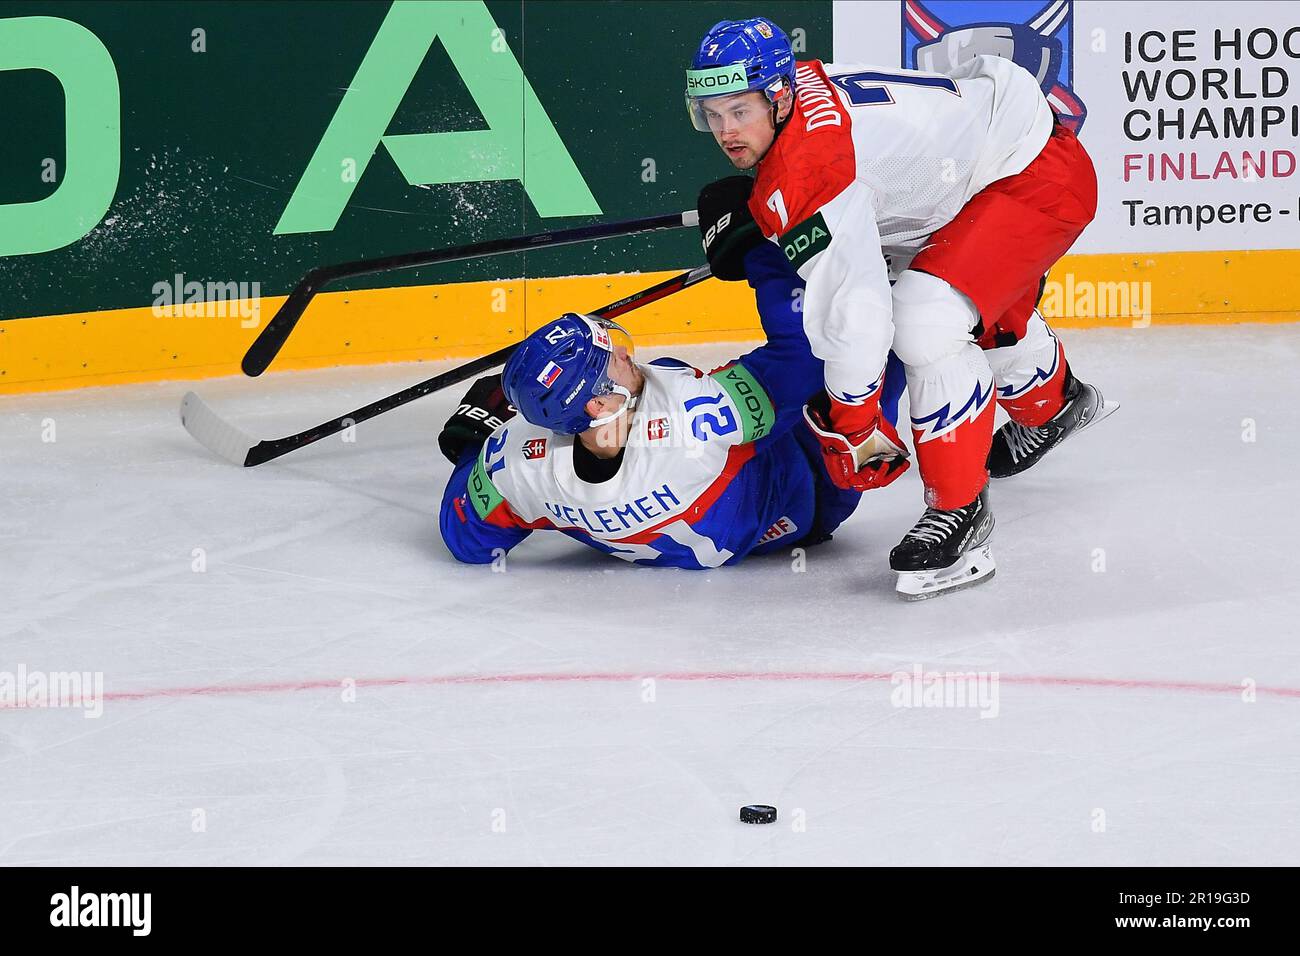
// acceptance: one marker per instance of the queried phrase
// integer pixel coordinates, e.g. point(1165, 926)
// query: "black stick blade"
point(268, 343)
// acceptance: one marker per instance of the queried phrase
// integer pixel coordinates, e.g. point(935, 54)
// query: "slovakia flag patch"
point(549, 374)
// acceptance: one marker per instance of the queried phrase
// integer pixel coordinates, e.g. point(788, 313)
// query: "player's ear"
point(784, 104)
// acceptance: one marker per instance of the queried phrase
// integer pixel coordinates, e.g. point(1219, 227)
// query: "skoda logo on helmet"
point(709, 81)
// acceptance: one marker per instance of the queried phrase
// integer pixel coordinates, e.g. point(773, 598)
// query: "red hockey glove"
point(861, 449)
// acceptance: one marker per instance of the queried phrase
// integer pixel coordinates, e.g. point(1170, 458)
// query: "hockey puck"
point(757, 813)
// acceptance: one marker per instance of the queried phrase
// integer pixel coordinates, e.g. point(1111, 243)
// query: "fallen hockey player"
point(658, 464)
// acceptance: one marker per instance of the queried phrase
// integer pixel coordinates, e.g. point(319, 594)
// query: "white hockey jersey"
point(871, 162)
point(679, 496)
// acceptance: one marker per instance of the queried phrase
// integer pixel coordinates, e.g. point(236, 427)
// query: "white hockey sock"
point(1027, 364)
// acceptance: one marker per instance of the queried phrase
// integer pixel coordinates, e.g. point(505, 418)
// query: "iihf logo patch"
point(549, 374)
point(939, 35)
point(780, 529)
point(656, 429)
point(535, 448)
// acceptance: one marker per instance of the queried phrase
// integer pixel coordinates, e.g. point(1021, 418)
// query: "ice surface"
point(575, 709)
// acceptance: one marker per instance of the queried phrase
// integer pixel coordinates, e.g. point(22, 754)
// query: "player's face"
point(742, 126)
point(624, 372)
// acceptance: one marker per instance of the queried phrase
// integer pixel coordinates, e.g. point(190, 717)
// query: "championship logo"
point(939, 35)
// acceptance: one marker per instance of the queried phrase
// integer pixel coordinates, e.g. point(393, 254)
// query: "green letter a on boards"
point(520, 143)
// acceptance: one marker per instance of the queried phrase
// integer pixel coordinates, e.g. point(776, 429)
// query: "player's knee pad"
point(932, 320)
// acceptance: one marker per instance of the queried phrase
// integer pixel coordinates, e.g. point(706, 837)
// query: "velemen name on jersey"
point(628, 516)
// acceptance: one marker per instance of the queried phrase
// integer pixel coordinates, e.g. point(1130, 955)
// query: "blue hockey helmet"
point(562, 366)
point(737, 56)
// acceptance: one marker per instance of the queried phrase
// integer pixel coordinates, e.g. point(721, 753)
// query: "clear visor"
point(710, 84)
point(619, 343)
point(718, 114)
point(612, 337)
point(733, 111)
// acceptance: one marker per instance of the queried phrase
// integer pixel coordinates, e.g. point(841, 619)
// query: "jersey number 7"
point(871, 87)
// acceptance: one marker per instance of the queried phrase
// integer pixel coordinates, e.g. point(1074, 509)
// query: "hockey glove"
point(481, 411)
point(861, 449)
point(727, 226)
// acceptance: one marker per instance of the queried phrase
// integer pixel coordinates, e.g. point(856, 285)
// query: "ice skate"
point(1017, 447)
point(945, 551)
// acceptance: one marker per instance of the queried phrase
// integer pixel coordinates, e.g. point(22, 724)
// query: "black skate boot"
point(945, 551)
point(1018, 447)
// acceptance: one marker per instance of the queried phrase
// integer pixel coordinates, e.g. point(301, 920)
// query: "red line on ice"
point(1108, 683)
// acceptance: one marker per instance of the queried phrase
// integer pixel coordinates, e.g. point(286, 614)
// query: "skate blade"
point(1105, 411)
point(974, 567)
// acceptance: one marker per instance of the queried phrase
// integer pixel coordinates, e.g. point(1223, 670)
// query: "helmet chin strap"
point(629, 401)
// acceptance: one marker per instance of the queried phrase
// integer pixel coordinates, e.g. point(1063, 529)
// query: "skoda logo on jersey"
point(806, 240)
point(939, 35)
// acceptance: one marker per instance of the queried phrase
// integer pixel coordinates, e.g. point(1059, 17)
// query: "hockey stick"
point(235, 445)
point(271, 339)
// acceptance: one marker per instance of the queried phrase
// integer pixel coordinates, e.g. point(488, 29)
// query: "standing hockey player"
point(658, 464)
point(965, 182)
